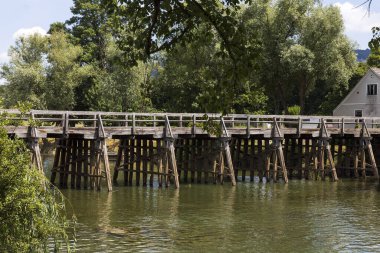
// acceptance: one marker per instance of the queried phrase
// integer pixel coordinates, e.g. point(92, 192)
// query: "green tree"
point(303, 43)
point(25, 74)
point(32, 215)
point(196, 78)
point(42, 67)
point(63, 72)
point(147, 27)
point(374, 57)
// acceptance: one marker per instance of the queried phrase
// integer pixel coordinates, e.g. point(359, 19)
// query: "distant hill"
point(362, 55)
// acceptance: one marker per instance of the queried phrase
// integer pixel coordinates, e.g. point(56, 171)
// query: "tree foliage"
point(246, 56)
point(40, 68)
point(32, 215)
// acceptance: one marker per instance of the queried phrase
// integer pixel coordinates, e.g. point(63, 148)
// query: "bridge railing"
point(88, 120)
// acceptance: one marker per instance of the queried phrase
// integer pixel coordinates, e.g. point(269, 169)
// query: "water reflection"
point(303, 216)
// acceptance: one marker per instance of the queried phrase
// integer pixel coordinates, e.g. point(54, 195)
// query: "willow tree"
point(303, 43)
point(40, 68)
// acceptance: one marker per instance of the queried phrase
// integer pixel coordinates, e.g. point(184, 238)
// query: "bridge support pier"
point(77, 159)
point(360, 154)
point(321, 148)
point(35, 149)
point(224, 162)
point(275, 155)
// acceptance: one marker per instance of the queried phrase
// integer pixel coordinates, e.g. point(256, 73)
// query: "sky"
point(20, 17)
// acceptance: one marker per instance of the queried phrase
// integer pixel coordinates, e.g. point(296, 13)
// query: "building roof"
point(376, 71)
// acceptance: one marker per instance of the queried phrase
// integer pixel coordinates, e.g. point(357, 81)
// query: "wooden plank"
point(131, 160)
point(92, 164)
point(275, 166)
point(62, 161)
point(119, 158)
point(58, 148)
point(260, 155)
point(363, 164)
point(126, 159)
point(145, 161)
point(206, 156)
point(282, 164)
point(161, 155)
point(340, 156)
point(86, 164)
point(173, 164)
point(373, 161)
point(151, 162)
point(299, 158)
point(193, 160)
point(67, 163)
point(79, 164)
point(252, 159)
point(106, 164)
point(138, 161)
point(307, 159)
point(331, 161)
point(74, 163)
point(267, 159)
point(186, 159)
point(293, 158)
point(199, 160)
point(245, 158)
point(322, 162)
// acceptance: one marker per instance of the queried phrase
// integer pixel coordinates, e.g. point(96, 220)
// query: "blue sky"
point(26, 16)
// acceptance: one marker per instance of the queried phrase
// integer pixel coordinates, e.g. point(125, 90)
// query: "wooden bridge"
point(184, 147)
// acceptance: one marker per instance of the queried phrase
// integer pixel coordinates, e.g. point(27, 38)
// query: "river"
point(302, 216)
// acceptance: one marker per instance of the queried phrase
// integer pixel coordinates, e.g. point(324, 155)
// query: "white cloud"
point(29, 31)
point(4, 57)
point(357, 19)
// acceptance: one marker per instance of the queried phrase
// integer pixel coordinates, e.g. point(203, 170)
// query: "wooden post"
point(170, 153)
point(260, 163)
point(365, 144)
point(131, 160)
point(275, 154)
point(227, 153)
point(252, 160)
point(119, 158)
point(324, 146)
point(126, 165)
point(79, 163)
point(58, 148)
point(35, 148)
point(186, 158)
point(151, 162)
point(74, 163)
point(173, 162)
point(138, 161)
point(86, 164)
point(102, 152)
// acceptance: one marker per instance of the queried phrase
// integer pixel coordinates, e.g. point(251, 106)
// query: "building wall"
point(359, 100)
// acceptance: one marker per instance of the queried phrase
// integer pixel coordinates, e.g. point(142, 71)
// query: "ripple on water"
point(303, 216)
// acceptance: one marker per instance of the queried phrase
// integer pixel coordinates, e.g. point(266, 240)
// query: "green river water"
point(303, 216)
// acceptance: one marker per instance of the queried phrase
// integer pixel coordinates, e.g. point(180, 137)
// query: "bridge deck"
point(55, 124)
point(178, 132)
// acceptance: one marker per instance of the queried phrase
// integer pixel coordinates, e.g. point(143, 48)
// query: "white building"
point(363, 100)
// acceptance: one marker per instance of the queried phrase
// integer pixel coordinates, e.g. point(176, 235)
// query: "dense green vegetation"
point(247, 56)
point(32, 215)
